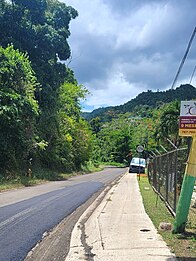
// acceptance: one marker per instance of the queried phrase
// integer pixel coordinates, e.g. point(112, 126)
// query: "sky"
point(121, 48)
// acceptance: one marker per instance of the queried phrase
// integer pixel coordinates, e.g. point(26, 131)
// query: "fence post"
point(186, 191)
point(154, 173)
point(158, 171)
point(167, 176)
point(175, 180)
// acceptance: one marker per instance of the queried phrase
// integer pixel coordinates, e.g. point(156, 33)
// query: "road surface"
point(23, 222)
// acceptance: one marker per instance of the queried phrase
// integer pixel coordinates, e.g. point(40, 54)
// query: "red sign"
point(187, 122)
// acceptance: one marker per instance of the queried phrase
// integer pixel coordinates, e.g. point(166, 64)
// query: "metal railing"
point(165, 173)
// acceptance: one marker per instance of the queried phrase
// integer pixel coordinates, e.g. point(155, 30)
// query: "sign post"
point(139, 149)
point(187, 127)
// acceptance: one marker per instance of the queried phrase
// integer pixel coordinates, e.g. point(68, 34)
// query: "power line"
point(192, 75)
point(184, 58)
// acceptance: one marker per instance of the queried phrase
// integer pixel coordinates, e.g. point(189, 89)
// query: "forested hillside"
point(148, 99)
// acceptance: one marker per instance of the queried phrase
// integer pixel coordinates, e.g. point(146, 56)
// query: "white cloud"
point(146, 26)
point(122, 48)
point(115, 90)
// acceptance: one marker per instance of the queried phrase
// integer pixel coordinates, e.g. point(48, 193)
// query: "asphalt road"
point(23, 223)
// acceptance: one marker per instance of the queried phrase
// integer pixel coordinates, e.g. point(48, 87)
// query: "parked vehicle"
point(137, 165)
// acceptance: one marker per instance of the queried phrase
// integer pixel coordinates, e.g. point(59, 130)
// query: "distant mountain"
point(149, 98)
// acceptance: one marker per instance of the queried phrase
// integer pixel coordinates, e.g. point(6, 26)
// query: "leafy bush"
point(18, 108)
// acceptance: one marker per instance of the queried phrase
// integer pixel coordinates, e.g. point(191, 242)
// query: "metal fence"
point(165, 174)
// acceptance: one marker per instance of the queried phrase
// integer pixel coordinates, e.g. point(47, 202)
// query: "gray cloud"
point(121, 47)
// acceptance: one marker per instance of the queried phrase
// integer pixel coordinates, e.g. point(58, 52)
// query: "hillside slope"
point(149, 98)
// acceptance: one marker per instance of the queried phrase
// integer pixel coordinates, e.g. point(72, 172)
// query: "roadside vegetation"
point(41, 175)
point(42, 131)
point(183, 245)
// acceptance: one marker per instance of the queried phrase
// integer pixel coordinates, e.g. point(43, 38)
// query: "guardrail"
point(165, 173)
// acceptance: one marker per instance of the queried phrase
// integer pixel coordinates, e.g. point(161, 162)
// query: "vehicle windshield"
point(138, 161)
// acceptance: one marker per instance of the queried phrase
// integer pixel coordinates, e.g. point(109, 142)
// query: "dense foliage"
point(18, 108)
point(39, 96)
point(150, 127)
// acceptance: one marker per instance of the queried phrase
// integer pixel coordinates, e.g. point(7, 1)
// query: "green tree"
point(167, 123)
point(95, 124)
point(114, 140)
point(41, 28)
point(73, 144)
point(18, 108)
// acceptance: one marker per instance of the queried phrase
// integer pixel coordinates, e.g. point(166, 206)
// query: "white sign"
point(140, 148)
point(187, 123)
point(188, 108)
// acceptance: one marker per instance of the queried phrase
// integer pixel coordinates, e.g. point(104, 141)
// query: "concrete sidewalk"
point(118, 229)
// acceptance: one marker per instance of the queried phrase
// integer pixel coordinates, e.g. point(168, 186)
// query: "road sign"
point(187, 124)
point(140, 148)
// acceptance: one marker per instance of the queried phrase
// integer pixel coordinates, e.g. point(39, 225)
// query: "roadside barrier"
point(165, 173)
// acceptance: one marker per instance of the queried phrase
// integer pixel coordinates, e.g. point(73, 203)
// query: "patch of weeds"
point(108, 199)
